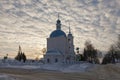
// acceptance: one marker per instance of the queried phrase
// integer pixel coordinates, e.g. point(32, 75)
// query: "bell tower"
point(71, 54)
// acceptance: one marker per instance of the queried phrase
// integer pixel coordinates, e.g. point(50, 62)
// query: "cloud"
point(30, 22)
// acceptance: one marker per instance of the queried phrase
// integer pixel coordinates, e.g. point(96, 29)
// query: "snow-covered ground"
point(79, 67)
point(13, 70)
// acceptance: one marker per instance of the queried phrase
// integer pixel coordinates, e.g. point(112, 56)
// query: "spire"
point(69, 29)
point(58, 23)
point(69, 34)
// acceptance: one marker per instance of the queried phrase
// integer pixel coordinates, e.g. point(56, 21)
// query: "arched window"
point(48, 60)
point(56, 60)
point(68, 39)
point(69, 47)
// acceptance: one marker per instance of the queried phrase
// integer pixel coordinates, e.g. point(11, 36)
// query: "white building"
point(60, 47)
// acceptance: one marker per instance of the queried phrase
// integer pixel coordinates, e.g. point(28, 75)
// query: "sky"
point(29, 22)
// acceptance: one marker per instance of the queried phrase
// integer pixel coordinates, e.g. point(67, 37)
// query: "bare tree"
point(113, 55)
point(90, 53)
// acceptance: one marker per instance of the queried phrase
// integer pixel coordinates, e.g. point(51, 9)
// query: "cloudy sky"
point(29, 22)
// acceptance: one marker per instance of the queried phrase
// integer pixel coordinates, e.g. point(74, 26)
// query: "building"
point(60, 47)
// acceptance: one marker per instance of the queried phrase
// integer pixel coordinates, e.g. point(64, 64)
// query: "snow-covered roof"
point(53, 52)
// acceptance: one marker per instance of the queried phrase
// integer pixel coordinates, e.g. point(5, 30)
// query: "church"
point(60, 47)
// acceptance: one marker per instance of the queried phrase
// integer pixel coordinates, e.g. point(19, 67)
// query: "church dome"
point(57, 33)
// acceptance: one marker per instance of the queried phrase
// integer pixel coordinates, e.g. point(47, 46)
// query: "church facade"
point(60, 47)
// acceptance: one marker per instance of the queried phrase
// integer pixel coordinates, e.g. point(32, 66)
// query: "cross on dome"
point(58, 24)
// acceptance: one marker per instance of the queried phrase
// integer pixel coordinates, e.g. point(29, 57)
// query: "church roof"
point(57, 33)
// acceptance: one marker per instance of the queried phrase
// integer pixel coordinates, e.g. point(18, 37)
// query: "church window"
point(56, 60)
point(48, 60)
point(68, 39)
point(69, 47)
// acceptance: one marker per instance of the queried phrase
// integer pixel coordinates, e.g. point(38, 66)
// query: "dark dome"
point(57, 33)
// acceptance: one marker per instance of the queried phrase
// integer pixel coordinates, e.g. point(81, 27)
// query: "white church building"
point(60, 47)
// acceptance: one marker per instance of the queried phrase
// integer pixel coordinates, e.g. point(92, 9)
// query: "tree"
point(113, 55)
point(6, 57)
point(110, 56)
point(77, 50)
point(79, 57)
point(20, 56)
point(90, 53)
point(117, 51)
point(23, 57)
point(44, 50)
point(106, 59)
point(118, 43)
